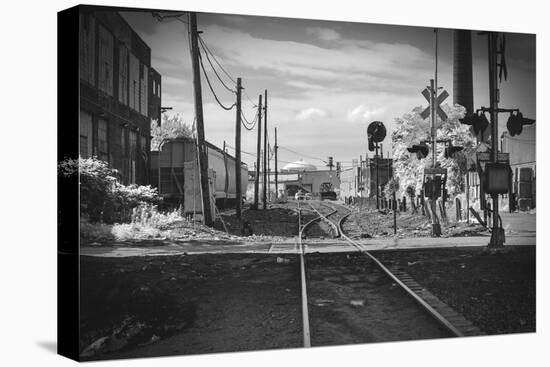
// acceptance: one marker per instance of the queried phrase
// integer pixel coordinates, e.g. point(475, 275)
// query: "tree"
point(171, 128)
point(412, 129)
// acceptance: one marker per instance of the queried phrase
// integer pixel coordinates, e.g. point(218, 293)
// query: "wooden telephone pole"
point(258, 153)
point(238, 188)
point(276, 175)
point(265, 153)
point(201, 146)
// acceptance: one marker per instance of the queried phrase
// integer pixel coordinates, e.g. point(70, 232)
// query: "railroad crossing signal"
point(515, 123)
point(330, 163)
point(426, 93)
point(451, 150)
point(421, 150)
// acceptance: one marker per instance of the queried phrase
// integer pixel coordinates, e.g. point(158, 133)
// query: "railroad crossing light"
point(515, 123)
point(478, 121)
point(421, 150)
point(451, 150)
point(371, 144)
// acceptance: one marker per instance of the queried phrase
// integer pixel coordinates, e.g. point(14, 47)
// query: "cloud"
point(311, 112)
point(305, 85)
point(325, 34)
point(363, 112)
point(353, 62)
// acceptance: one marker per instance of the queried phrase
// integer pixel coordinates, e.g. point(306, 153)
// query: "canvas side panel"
point(67, 188)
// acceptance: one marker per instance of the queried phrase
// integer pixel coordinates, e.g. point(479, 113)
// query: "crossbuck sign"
point(426, 93)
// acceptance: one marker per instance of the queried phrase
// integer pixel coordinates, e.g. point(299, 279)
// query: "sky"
point(326, 80)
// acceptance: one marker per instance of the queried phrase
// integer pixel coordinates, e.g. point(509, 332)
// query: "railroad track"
point(356, 286)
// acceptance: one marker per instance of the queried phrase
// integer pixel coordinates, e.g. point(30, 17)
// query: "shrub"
point(102, 198)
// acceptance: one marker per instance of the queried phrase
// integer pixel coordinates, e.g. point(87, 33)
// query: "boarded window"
point(87, 49)
point(144, 90)
point(132, 156)
point(85, 134)
point(102, 142)
point(144, 148)
point(123, 141)
point(105, 62)
point(123, 75)
point(134, 82)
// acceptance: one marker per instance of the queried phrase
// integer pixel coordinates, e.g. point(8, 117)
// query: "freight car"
point(175, 172)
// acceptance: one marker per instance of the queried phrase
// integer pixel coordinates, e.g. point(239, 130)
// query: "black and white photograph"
point(267, 184)
point(252, 183)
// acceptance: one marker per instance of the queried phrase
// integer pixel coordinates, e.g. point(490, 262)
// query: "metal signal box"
point(497, 178)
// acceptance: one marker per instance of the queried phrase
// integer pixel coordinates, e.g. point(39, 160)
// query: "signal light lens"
point(515, 123)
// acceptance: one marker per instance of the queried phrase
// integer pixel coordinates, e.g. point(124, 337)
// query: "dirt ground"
point(376, 224)
point(280, 222)
point(494, 289)
point(176, 305)
point(172, 305)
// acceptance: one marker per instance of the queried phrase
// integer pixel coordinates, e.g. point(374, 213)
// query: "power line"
point(216, 60)
point(225, 71)
point(300, 154)
point(242, 151)
point(214, 69)
point(253, 121)
point(212, 89)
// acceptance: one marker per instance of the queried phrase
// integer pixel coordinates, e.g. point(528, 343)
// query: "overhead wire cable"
point(212, 89)
point(224, 70)
point(216, 60)
point(213, 68)
point(300, 154)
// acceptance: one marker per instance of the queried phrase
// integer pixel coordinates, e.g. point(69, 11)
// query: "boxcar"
point(174, 171)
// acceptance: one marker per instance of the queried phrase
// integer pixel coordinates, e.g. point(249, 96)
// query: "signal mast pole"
point(497, 233)
point(436, 226)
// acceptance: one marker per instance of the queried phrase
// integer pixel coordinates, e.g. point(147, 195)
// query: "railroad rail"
point(334, 217)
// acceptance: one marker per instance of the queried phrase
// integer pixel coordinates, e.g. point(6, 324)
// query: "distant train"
point(175, 172)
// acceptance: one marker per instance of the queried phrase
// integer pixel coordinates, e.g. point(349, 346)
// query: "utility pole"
point(268, 172)
point(497, 233)
point(265, 152)
point(258, 154)
point(226, 171)
point(238, 189)
point(201, 146)
point(276, 174)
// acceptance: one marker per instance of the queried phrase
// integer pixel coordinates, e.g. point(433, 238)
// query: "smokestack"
point(463, 90)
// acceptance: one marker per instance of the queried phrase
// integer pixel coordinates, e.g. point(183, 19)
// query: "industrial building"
point(363, 177)
point(120, 94)
point(522, 150)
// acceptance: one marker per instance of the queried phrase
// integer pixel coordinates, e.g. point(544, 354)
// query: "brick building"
point(120, 93)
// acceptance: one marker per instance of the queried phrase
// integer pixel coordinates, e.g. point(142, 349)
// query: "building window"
point(85, 134)
point(132, 156)
point(123, 141)
point(102, 142)
point(123, 75)
point(144, 90)
point(106, 50)
point(144, 147)
point(87, 49)
point(134, 82)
